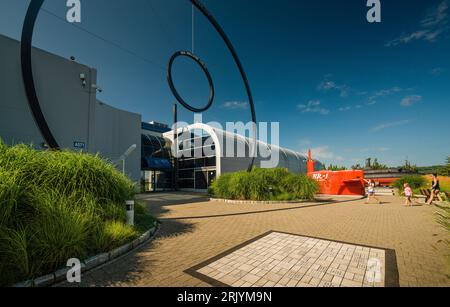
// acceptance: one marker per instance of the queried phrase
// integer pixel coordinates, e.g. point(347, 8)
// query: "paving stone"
point(193, 232)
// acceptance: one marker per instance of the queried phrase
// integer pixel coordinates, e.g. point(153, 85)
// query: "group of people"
point(435, 192)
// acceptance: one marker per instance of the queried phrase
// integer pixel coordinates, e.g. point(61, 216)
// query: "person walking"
point(435, 190)
point(371, 191)
point(408, 195)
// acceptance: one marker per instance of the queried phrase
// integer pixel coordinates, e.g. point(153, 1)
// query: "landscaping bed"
point(57, 205)
point(264, 185)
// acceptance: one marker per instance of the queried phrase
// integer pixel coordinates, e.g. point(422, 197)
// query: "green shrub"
point(57, 205)
point(11, 196)
point(139, 208)
point(264, 184)
point(67, 172)
point(112, 234)
point(221, 186)
point(144, 222)
point(414, 181)
point(300, 186)
point(61, 229)
point(111, 211)
point(15, 262)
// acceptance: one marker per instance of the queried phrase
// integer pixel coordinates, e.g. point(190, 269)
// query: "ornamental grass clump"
point(264, 185)
point(57, 205)
point(414, 181)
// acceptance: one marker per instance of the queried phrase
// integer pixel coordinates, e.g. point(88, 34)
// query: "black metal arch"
point(174, 90)
point(30, 89)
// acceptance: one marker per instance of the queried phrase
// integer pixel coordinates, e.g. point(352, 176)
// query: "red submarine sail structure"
point(340, 183)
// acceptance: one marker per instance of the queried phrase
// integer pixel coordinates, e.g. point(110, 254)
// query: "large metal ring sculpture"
point(30, 89)
point(174, 90)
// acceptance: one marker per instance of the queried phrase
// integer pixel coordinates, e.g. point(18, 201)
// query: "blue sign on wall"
point(79, 145)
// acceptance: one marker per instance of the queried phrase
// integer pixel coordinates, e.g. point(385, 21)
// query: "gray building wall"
point(71, 110)
point(115, 131)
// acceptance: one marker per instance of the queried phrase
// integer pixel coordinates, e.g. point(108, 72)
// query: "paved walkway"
point(195, 230)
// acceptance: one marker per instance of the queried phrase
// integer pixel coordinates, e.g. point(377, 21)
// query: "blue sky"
point(337, 84)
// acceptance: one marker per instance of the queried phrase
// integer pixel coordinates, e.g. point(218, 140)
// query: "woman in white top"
point(371, 191)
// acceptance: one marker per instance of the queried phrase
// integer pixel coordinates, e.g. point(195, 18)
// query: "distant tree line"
point(441, 170)
point(336, 168)
point(374, 164)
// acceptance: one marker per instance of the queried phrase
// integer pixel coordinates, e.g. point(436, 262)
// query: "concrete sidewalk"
point(194, 230)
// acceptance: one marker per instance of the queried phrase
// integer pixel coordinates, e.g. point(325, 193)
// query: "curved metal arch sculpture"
point(30, 89)
point(174, 90)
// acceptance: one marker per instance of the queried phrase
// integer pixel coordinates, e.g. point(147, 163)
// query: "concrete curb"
point(90, 263)
point(255, 202)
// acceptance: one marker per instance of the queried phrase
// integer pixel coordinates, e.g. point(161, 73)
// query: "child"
point(408, 195)
point(371, 191)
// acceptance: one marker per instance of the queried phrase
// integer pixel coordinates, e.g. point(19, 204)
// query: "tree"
point(357, 167)
point(335, 168)
point(447, 167)
point(408, 167)
point(378, 166)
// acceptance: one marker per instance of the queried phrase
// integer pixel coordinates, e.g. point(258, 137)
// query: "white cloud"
point(313, 106)
point(324, 153)
point(235, 105)
point(345, 109)
point(437, 71)
point(410, 100)
point(390, 125)
point(388, 92)
point(349, 108)
point(328, 85)
point(431, 27)
point(385, 93)
point(436, 15)
point(372, 100)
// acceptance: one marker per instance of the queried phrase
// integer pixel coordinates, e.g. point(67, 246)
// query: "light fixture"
point(126, 154)
point(83, 79)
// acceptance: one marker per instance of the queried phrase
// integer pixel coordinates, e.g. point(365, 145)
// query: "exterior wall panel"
point(71, 110)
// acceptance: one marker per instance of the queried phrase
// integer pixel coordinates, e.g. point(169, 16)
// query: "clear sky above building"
point(337, 84)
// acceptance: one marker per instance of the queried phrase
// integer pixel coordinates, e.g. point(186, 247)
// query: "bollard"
point(130, 212)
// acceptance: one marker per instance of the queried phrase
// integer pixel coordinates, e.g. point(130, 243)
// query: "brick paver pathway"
point(195, 230)
point(286, 260)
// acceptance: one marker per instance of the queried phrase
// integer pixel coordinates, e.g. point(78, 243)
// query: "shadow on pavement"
point(130, 267)
point(317, 204)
